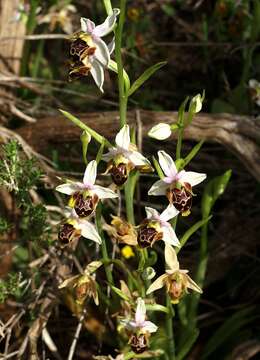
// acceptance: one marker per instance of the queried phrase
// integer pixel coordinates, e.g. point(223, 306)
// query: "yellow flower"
point(127, 252)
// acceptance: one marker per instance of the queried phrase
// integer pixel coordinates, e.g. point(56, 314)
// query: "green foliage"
point(4, 225)
point(34, 223)
point(17, 173)
point(9, 286)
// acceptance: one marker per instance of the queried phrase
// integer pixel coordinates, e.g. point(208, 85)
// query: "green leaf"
point(191, 154)
point(158, 168)
point(145, 76)
point(157, 307)
point(113, 66)
point(228, 330)
point(191, 231)
point(120, 293)
point(83, 126)
point(191, 337)
point(214, 189)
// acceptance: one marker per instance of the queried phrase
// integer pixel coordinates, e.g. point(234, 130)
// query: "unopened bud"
point(161, 131)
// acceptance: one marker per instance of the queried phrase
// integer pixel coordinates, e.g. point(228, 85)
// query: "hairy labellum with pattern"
point(181, 198)
point(146, 236)
point(119, 174)
point(84, 206)
point(138, 343)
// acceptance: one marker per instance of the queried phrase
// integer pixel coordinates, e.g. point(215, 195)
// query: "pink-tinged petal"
point(90, 174)
point(169, 213)
point(191, 177)
point(87, 25)
point(149, 327)
point(123, 138)
point(171, 260)
point(89, 231)
point(104, 193)
point(157, 284)
point(158, 188)
point(140, 312)
point(108, 24)
point(169, 236)
point(111, 46)
point(68, 189)
point(167, 164)
point(97, 73)
point(110, 155)
point(138, 159)
point(102, 52)
point(151, 213)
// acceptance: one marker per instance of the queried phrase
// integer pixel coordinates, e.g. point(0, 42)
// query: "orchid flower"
point(84, 284)
point(177, 281)
point(91, 50)
point(139, 324)
point(176, 185)
point(74, 227)
point(85, 195)
point(156, 227)
point(124, 157)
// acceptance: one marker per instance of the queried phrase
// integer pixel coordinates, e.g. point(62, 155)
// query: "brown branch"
point(239, 134)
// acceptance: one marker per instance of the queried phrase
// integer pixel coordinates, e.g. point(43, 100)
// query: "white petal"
point(171, 258)
point(196, 101)
point(123, 138)
point(169, 236)
point(169, 213)
point(192, 285)
point(160, 131)
point(193, 178)
point(149, 327)
point(68, 281)
point(102, 52)
point(87, 25)
point(167, 164)
point(158, 188)
point(253, 83)
point(89, 231)
point(90, 173)
point(138, 159)
point(108, 24)
point(111, 46)
point(110, 155)
point(157, 284)
point(140, 311)
point(93, 266)
point(97, 72)
point(67, 189)
point(104, 193)
point(151, 213)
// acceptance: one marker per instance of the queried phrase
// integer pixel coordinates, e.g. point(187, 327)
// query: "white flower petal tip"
point(150, 327)
point(89, 231)
point(160, 131)
point(167, 164)
point(90, 173)
point(171, 258)
point(169, 213)
point(140, 311)
point(157, 284)
point(196, 103)
point(123, 137)
point(67, 189)
point(191, 177)
point(108, 25)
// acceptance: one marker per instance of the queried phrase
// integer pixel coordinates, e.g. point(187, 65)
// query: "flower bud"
point(160, 131)
point(138, 343)
point(196, 103)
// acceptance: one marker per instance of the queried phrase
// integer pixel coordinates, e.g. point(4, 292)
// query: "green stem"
point(108, 7)
point(108, 271)
point(121, 87)
point(169, 329)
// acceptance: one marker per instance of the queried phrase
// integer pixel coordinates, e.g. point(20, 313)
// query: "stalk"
point(106, 259)
point(121, 85)
point(108, 7)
